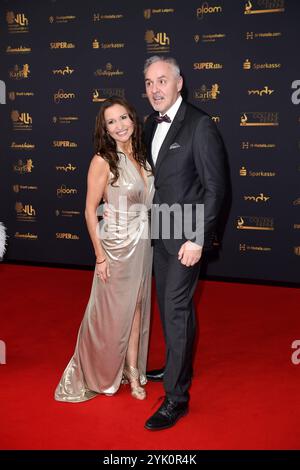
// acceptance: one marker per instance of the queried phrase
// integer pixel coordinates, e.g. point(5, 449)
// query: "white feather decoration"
point(3, 239)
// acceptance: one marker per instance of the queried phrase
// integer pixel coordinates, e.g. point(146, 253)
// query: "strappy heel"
point(131, 375)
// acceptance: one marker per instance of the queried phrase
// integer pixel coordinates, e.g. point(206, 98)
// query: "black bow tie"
point(164, 118)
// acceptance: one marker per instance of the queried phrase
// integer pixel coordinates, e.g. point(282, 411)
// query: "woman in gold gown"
point(112, 342)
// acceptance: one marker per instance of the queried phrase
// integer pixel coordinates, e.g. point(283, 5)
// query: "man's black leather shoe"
point(167, 415)
point(156, 375)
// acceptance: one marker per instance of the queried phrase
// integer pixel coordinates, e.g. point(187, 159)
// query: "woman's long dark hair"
point(106, 146)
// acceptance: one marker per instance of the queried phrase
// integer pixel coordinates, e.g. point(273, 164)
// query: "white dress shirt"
point(162, 129)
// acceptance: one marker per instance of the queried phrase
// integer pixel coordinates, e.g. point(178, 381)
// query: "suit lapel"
point(151, 128)
point(175, 126)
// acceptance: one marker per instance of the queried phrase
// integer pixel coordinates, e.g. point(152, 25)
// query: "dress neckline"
point(145, 184)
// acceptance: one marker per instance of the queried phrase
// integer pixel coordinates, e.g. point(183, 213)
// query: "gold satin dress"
point(98, 361)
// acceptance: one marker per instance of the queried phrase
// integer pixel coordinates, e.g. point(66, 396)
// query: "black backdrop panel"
point(61, 59)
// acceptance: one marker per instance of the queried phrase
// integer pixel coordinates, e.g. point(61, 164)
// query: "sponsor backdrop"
point(59, 61)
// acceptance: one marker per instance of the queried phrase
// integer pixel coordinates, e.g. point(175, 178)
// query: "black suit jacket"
point(190, 168)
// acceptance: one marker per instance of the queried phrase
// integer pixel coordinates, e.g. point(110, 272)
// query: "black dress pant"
point(175, 285)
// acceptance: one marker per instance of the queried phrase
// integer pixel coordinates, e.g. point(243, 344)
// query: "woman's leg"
point(131, 365)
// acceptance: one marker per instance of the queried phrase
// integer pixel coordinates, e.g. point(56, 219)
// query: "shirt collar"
point(174, 108)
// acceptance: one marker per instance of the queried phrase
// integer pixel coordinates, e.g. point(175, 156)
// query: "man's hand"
point(190, 253)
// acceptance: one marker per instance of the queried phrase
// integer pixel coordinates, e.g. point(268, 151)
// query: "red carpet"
point(245, 393)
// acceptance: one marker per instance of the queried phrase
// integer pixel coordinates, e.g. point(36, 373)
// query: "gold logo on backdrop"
point(66, 213)
point(65, 191)
point(207, 66)
point(65, 168)
point(62, 45)
point(112, 16)
point(19, 72)
point(244, 172)
point(252, 145)
point(22, 168)
point(24, 146)
point(17, 22)
point(207, 9)
point(264, 91)
point(66, 236)
point(206, 94)
point(248, 65)
point(260, 198)
point(64, 144)
point(155, 11)
point(21, 187)
point(107, 45)
point(255, 223)
point(158, 42)
point(259, 118)
point(209, 37)
point(21, 121)
point(250, 35)
point(65, 71)
point(26, 236)
point(26, 212)
point(101, 94)
point(108, 71)
point(17, 94)
point(64, 119)
point(267, 6)
point(62, 19)
point(63, 95)
point(297, 250)
point(18, 50)
point(245, 247)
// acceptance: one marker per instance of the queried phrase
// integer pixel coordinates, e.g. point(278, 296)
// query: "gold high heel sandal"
point(131, 374)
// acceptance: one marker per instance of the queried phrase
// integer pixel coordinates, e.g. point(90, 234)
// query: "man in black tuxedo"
point(187, 156)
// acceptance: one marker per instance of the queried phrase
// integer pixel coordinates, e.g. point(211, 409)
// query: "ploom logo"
point(296, 94)
point(62, 95)
point(207, 9)
point(64, 191)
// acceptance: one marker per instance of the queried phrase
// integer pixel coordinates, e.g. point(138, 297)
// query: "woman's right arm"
point(97, 179)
